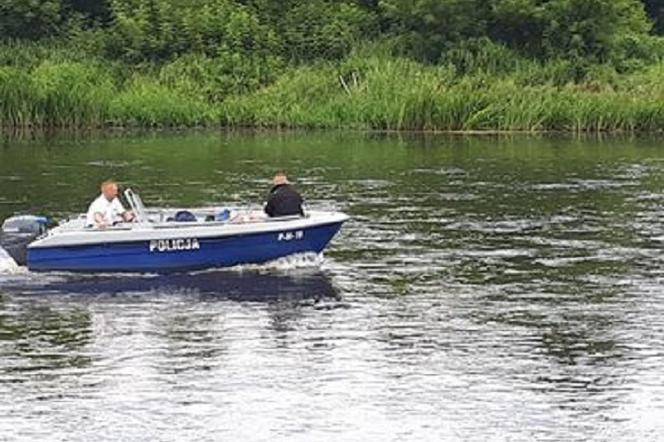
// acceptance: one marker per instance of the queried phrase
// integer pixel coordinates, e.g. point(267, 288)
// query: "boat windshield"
point(136, 205)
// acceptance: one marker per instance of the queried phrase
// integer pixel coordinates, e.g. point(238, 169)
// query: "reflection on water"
point(486, 289)
point(44, 338)
point(206, 286)
point(49, 322)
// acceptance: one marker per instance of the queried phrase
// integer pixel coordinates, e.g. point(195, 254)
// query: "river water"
point(486, 289)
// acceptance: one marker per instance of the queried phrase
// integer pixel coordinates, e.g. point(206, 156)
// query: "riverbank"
point(365, 91)
point(398, 94)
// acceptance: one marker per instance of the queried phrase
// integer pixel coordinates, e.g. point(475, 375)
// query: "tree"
point(29, 19)
point(655, 10)
point(317, 29)
point(92, 11)
point(158, 30)
point(320, 29)
point(427, 27)
point(576, 29)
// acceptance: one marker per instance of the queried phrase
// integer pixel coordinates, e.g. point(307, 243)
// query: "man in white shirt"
point(107, 209)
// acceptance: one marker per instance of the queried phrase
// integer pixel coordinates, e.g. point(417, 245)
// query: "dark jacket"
point(283, 200)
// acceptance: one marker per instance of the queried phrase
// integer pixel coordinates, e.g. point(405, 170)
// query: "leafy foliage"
point(655, 9)
point(320, 29)
point(30, 19)
point(450, 64)
point(138, 31)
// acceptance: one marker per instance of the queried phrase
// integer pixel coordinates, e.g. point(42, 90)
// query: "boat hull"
point(169, 255)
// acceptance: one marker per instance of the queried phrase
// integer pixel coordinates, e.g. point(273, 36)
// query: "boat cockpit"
point(170, 218)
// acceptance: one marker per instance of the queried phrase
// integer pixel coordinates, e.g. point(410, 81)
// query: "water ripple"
point(486, 293)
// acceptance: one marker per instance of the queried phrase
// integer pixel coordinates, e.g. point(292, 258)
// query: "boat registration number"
point(290, 236)
point(174, 245)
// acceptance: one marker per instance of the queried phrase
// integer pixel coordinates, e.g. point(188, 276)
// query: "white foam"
point(7, 263)
point(290, 262)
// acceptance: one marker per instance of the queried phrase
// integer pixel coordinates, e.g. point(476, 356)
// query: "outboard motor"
point(19, 231)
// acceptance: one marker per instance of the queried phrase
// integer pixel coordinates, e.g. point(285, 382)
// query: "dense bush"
point(145, 102)
point(320, 29)
point(213, 78)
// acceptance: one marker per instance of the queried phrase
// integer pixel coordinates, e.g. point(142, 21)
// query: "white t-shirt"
point(112, 210)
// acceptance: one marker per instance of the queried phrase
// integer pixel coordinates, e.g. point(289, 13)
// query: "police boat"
point(167, 240)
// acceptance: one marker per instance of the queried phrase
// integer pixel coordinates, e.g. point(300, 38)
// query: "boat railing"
point(239, 219)
point(284, 218)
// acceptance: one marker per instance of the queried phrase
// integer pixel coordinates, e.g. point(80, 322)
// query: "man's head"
point(280, 178)
point(109, 189)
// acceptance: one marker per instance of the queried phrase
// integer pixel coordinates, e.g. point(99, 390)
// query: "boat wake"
point(8, 265)
point(292, 278)
point(13, 275)
point(290, 262)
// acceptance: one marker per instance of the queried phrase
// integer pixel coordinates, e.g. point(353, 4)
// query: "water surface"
point(486, 289)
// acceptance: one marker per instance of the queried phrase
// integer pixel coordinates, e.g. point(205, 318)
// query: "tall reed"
point(398, 94)
point(54, 95)
point(146, 103)
point(371, 89)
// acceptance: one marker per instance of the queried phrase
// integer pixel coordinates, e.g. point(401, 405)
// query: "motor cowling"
point(19, 231)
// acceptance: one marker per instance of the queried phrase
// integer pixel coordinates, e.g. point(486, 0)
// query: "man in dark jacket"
point(283, 200)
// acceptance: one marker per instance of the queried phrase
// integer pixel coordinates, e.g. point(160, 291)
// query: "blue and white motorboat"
point(159, 240)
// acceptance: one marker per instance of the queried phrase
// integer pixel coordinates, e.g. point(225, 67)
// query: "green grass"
point(83, 95)
point(146, 103)
point(398, 94)
point(371, 89)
